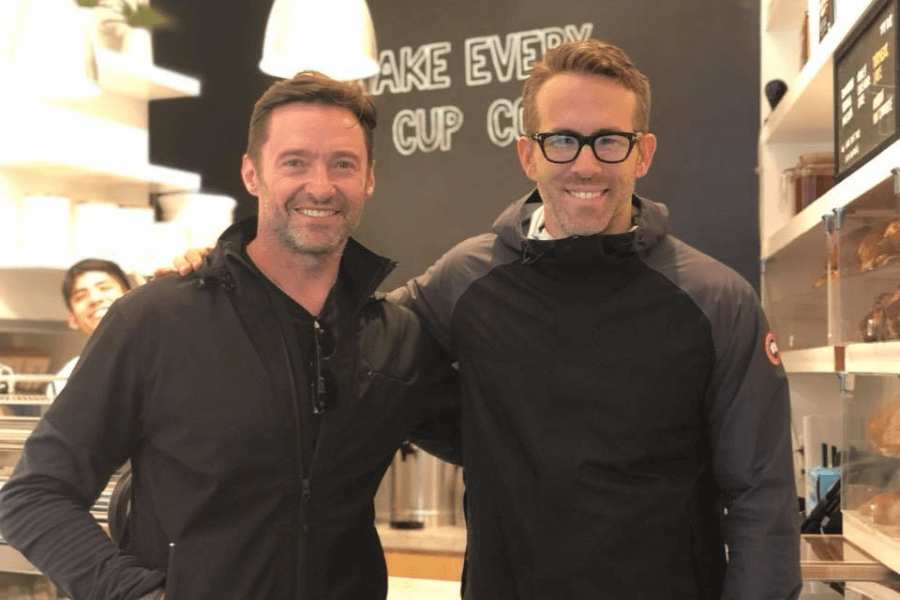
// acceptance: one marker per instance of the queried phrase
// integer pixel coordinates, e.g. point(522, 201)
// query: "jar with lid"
point(809, 179)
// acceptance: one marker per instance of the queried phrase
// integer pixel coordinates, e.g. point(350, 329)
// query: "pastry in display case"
point(871, 466)
point(866, 247)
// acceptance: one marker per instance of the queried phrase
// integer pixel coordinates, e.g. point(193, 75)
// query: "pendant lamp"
point(334, 37)
point(46, 49)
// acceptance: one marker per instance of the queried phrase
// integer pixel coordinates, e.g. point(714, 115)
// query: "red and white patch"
point(771, 347)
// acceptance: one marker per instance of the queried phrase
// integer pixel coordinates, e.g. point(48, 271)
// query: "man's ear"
point(370, 180)
point(646, 148)
point(526, 156)
point(250, 175)
point(72, 323)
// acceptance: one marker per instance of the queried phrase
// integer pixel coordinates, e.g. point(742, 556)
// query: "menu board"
point(865, 78)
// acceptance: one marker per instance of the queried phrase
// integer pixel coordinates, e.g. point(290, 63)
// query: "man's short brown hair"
point(311, 87)
point(590, 57)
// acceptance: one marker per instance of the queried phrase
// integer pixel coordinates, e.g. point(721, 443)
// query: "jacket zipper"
point(304, 482)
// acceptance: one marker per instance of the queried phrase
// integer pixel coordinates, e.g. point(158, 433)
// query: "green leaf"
point(143, 16)
point(88, 3)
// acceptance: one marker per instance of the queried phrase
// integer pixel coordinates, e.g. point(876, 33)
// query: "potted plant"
point(116, 23)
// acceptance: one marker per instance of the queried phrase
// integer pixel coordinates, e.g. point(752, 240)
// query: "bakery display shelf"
point(876, 590)
point(889, 273)
point(880, 545)
point(874, 357)
point(57, 173)
point(805, 112)
point(122, 74)
point(835, 558)
point(811, 360)
point(870, 180)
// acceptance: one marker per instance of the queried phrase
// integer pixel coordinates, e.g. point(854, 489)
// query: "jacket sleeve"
point(66, 462)
point(748, 411)
point(433, 294)
point(430, 382)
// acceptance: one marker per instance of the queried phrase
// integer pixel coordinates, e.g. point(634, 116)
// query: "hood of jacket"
point(361, 268)
point(651, 219)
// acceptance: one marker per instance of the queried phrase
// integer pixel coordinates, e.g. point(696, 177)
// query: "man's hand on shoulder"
point(184, 264)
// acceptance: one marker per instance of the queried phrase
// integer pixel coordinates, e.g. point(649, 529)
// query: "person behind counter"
point(89, 288)
point(260, 401)
point(625, 412)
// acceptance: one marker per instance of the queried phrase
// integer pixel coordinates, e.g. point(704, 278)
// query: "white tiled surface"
point(403, 588)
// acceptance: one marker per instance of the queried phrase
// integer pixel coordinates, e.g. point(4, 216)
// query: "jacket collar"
point(512, 228)
point(361, 270)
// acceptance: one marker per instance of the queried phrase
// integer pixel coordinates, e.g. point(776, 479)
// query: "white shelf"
point(806, 112)
point(809, 360)
point(881, 546)
point(57, 172)
point(121, 74)
point(857, 184)
point(876, 357)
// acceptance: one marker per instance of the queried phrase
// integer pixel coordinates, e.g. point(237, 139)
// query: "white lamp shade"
point(46, 50)
point(334, 37)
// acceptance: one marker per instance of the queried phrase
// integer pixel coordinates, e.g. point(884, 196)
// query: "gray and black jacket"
point(625, 416)
point(193, 379)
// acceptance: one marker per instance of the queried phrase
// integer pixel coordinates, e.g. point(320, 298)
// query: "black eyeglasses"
point(608, 146)
point(322, 384)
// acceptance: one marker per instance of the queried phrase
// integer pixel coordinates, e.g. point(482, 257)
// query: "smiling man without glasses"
point(259, 401)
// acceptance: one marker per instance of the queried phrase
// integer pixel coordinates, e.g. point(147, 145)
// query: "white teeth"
point(311, 212)
point(585, 195)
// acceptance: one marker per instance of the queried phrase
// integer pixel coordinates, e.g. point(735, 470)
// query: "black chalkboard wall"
point(456, 68)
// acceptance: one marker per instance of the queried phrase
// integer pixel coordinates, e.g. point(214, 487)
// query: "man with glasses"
point(260, 401)
point(625, 414)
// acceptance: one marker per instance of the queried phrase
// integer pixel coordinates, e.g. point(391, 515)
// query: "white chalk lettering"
point(489, 57)
point(426, 130)
point(847, 88)
point(423, 68)
point(886, 24)
point(883, 111)
point(504, 118)
point(846, 117)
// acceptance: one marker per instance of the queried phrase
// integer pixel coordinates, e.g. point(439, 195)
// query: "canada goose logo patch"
point(771, 347)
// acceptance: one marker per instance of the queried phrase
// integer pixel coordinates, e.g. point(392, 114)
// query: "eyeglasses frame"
point(584, 140)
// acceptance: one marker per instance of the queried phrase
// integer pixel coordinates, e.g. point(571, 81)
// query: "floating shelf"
point(57, 173)
point(875, 357)
point(118, 73)
point(867, 178)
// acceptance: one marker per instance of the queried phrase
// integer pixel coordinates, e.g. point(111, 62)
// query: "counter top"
point(405, 588)
point(449, 538)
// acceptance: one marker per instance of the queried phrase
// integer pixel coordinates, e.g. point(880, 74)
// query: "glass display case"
point(871, 466)
point(866, 245)
point(795, 291)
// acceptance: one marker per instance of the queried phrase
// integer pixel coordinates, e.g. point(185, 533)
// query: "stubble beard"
point(297, 242)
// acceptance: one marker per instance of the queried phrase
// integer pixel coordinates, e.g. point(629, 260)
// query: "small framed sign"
point(865, 80)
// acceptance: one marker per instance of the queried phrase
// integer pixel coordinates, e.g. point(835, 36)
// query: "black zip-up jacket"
point(189, 378)
point(620, 392)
